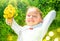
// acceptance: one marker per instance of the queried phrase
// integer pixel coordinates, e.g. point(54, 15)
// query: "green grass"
point(21, 7)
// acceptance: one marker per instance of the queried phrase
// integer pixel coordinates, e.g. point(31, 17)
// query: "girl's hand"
point(9, 21)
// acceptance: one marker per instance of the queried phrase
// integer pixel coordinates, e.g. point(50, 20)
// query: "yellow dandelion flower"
point(44, 40)
point(16, 15)
point(10, 38)
point(5, 16)
point(9, 16)
point(9, 11)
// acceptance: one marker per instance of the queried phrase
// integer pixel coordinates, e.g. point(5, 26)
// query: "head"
point(33, 16)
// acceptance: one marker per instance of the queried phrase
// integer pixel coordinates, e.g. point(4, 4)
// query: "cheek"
point(27, 19)
point(37, 20)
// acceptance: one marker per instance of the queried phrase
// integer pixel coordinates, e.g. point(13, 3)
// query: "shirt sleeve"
point(17, 28)
point(47, 21)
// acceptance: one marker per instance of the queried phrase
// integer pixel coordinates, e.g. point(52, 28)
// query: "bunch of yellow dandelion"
point(9, 11)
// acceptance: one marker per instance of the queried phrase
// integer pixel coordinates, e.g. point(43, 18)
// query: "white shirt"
point(39, 31)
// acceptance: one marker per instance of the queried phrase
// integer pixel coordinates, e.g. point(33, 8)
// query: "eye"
point(28, 15)
point(35, 16)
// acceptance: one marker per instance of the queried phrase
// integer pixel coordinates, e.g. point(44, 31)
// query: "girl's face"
point(33, 17)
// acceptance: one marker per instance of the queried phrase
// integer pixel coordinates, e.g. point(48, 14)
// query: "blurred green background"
point(7, 34)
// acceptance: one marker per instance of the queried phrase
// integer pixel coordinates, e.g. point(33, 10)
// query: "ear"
point(41, 20)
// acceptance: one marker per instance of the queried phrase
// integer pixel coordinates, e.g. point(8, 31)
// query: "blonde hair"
point(38, 10)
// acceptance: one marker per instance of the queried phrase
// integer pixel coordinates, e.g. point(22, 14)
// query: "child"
point(36, 27)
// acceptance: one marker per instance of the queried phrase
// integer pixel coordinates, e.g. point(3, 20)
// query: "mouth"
point(30, 21)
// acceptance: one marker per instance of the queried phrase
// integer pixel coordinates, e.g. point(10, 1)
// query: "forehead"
point(32, 11)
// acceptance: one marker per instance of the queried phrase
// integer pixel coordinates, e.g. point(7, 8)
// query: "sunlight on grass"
point(53, 35)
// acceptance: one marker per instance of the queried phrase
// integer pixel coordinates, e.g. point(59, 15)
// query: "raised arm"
point(14, 25)
point(47, 21)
